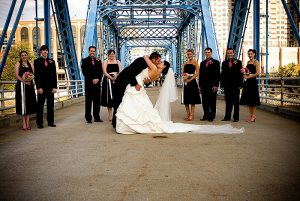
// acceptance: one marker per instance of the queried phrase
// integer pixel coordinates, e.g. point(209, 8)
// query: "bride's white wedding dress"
point(136, 113)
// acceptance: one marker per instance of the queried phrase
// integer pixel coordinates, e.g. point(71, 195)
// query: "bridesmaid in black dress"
point(111, 68)
point(250, 94)
point(25, 95)
point(190, 90)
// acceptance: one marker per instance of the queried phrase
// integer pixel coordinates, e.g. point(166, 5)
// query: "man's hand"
point(147, 80)
point(40, 91)
point(138, 87)
point(95, 81)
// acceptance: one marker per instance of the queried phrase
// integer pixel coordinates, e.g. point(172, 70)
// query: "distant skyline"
point(77, 10)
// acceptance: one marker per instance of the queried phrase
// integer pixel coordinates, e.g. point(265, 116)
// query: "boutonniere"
point(211, 62)
point(50, 61)
point(235, 62)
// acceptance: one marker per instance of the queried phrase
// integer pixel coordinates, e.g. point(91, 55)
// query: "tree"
point(289, 70)
point(8, 73)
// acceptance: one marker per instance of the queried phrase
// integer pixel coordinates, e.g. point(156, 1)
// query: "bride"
point(136, 113)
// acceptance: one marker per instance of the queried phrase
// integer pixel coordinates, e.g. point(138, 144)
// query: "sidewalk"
point(79, 161)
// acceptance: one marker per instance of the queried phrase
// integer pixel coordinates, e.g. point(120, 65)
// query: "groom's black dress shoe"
point(225, 119)
point(89, 121)
point(203, 119)
point(52, 125)
point(40, 126)
point(98, 120)
point(235, 120)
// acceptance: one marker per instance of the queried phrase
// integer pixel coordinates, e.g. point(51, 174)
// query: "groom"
point(127, 76)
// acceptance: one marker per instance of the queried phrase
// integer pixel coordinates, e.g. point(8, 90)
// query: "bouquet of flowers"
point(114, 76)
point(186, 76)
point(27, 76)
point(245, 71)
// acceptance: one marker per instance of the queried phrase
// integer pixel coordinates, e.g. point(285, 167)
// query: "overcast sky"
point(77, 9)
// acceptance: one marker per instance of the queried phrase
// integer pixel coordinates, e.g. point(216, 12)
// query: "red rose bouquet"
point(27, 76)
point(245, 71)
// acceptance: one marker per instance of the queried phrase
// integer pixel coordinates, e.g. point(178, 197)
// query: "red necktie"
point(46, 63)
point(230, 64)
point(93, 62)
point(207, 63)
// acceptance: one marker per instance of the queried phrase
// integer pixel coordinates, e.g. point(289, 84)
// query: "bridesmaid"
point(111, 68)
point(250, 95)
point(25, 95)
point(190, 92)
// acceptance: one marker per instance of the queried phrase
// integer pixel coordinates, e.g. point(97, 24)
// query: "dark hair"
point(252, 50)
point(92, 46)
point(208, 48)
point(190, 50)
point(23, 51)
point(111, 51)
point(154, 55)
point(166, 69)
point(44, 47)
point(230, 48)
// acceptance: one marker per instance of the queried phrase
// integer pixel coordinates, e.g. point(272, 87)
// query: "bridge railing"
point(280, 90)
point(66, 90)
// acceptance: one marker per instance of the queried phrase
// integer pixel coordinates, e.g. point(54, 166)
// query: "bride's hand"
point(138, 87)
point(147, 80)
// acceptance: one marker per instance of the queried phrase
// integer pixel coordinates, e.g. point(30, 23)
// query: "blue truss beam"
point(91, 25)
point(291, 20)
point(11, 37)
point(209, 29)
point(66, 35)
point(47, 26)
point(7, 21)
point(256, 27)
point(238, 25)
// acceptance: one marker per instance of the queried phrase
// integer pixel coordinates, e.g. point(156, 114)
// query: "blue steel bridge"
point(172, 25)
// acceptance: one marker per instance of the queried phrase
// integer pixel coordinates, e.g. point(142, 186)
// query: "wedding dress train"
point(136, 113)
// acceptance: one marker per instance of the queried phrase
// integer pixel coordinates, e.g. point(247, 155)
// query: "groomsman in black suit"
point(127, 76)
point(46, 85)
point(92, 71)
point(209, 81)
point(231, 82)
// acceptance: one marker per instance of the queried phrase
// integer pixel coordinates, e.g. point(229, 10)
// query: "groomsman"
point(92, 71)
point(46, 85)
point(209, 81)
point(231, 82)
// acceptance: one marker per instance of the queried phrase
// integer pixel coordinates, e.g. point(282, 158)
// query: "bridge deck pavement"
point(79, 161)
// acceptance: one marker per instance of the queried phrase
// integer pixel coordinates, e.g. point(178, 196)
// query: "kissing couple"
point(133, 110)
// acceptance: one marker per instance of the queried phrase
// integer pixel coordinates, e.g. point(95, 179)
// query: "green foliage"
point(8, 73)
point(289, 70)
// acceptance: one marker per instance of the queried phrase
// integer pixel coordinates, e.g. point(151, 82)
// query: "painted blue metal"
point(238, 25)
point(256, 28)
point(267, 49)
point(90, 27)
point(36, 29)
point(291, 20)
point(47, 26)
point(66, 35)
point(209, 29)
point(203, 41)
point(11, 37)
point(7, 21)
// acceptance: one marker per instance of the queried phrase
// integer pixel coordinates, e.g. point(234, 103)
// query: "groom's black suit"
point(127, 76)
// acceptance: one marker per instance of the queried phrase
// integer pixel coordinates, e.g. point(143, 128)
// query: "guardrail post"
point(76, 88)
point(2, 106)
point(281, 91)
